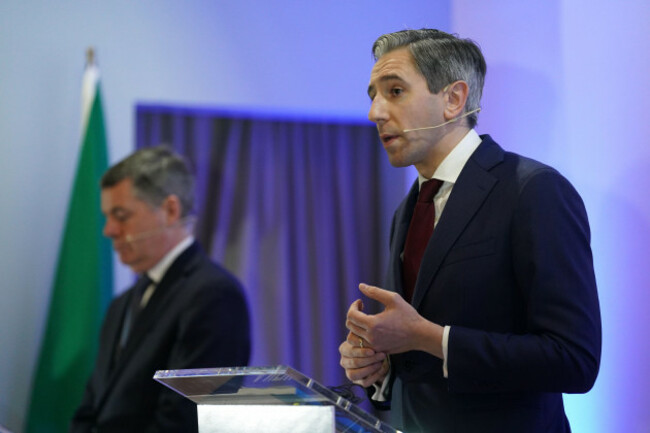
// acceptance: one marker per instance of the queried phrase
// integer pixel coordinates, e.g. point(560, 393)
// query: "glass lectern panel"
point(279, 385)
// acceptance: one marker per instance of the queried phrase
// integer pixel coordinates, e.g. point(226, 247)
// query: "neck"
point(176, 235)
point(172, 237)
point(441, 149)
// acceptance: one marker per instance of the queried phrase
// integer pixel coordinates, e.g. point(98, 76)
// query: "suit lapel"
point(470, 191)
point(114, 325)
point(148, 317)
point(174, 277)
point(111, 365)
point(402, 220)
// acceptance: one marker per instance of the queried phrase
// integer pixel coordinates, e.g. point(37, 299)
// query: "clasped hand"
point(364, 353)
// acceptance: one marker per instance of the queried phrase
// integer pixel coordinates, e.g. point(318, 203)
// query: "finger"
point(357, 340)
point(356, 306)
point(385, 297)
point(355, 362)
point(351, 347)
point(354, 340)
point(365, 375)
point(379, 376)
point(355, 329)
point(359, 356)
point(359, 320)
point(347, 349)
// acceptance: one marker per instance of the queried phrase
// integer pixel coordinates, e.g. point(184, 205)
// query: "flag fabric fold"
point(83, 283)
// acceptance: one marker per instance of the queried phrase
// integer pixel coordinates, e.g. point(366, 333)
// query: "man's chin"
point(138, 266)
point(136, 269)
point(396, 157)
point(129, 262)
point(397, 161)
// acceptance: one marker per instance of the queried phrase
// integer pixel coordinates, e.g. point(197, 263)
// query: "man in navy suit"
point(184, 312)
point(490, 305)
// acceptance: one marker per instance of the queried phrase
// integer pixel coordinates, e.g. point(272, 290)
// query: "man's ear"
point(173, 208)
point(456, 97)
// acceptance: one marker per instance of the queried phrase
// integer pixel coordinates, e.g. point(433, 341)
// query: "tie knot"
point(141, 285)
point(428, 190)
point(146, 279)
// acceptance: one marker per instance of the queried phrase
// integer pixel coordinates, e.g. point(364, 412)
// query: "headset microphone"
point(445, 123)
point(129, 239)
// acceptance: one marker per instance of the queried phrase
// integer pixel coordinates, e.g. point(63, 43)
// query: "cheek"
point(422, 119)
point(426, 110)
point(412, 118)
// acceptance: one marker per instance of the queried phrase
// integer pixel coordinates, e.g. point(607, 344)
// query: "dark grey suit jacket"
point(196, 318)
point(509, 268)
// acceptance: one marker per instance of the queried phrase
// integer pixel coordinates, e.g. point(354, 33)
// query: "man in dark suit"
point(490, 306)
point(184, 312)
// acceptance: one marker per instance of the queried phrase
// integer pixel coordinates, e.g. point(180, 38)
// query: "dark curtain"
point(298, 210)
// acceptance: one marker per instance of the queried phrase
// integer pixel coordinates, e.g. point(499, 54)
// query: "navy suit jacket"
point(509, 268)
point(196, 318)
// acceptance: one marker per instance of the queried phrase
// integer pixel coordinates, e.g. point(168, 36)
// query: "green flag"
point(83, 282)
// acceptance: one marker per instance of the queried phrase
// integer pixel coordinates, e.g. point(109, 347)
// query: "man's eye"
point(121, 216)
point(396, 91)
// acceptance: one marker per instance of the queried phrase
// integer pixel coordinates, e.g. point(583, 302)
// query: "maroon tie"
point(417, 238)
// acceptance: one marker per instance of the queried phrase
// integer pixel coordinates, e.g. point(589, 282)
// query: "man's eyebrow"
point(383, 78)
point(118, 210)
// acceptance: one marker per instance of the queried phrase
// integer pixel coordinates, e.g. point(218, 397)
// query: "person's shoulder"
point(524, 165)
point(524, 170)
point(214, 274)
point(535, 179)
point(219, 269)
point(527, 167)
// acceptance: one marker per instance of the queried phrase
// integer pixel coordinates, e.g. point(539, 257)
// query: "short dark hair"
point(441, 58)
point(156, 172)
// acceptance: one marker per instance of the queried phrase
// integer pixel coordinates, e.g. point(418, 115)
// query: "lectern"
point(267, 400)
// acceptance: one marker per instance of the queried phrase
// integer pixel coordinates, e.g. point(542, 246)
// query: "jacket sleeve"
point(558, 348)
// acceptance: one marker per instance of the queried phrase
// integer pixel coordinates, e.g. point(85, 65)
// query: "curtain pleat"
point(298, 210)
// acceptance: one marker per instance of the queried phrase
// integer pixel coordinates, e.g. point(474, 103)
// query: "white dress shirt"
point(448, 171)
point(157, 272)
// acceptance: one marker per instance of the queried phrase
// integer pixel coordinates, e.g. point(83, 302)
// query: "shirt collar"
point(157, 272)
point(450, 167)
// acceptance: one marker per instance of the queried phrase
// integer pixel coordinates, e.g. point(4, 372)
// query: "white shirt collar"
point(157, 272)
point(450, 167)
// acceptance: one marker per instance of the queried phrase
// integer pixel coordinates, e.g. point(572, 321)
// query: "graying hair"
point(441, 58)
point(156, 172)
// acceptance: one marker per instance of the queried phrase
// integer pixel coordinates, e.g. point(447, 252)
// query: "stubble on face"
point(401, 100)
point(135, 228)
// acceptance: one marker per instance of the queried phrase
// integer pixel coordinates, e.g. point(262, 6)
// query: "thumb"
point(384, 296)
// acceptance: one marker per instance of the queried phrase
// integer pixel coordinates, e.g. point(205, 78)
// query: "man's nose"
point(110, 229)
point(378, 113)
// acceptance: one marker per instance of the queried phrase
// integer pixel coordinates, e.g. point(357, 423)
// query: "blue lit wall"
point(567, 84)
